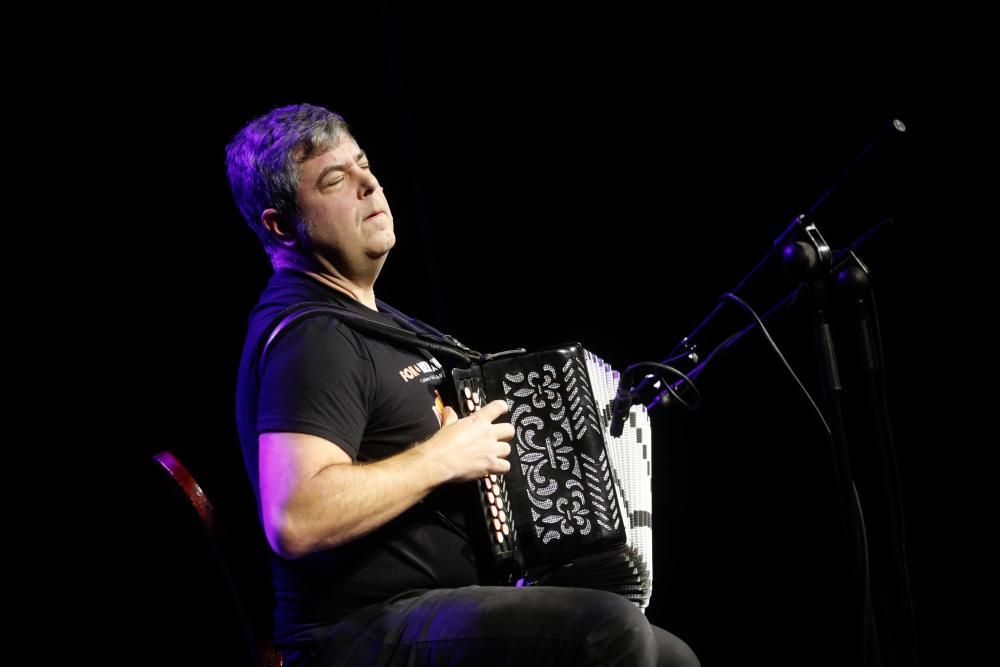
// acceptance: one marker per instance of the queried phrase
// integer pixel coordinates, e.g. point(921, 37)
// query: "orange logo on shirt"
point(438, 408)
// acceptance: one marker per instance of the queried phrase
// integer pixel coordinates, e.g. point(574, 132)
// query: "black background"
point(597, 183)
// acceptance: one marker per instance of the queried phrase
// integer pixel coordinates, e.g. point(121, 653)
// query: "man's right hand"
point(471, 447)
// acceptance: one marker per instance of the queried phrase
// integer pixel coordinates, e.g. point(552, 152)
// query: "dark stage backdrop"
point(608, 195)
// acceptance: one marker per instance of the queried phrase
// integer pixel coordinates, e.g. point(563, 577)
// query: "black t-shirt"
point(372, 399)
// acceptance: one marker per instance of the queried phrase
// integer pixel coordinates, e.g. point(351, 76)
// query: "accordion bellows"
point(576, 507)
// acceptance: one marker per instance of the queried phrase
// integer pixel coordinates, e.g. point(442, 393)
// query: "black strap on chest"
point(411, 334)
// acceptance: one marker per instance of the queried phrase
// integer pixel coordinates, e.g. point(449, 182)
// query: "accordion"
point(575, 509)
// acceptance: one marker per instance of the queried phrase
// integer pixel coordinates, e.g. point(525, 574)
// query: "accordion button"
point(493, 477)
point(468, 392)
point(470, 406)
point(506, 531)
point(496, 524)
point(475, 397)
point(499, 537)
point(490, 497)
point(493, 510)
point(487, 483)
point(503, 515)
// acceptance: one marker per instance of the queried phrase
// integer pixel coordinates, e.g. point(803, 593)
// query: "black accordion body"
point(576, 507)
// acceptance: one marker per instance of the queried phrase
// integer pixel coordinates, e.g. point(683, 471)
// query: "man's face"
point(344, 210)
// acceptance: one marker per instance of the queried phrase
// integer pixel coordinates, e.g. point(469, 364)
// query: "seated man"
point(356, 466)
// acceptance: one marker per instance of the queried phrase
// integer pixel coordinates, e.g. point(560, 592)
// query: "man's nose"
point(367, 183)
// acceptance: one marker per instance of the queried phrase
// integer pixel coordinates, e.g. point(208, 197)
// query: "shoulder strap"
point(421, 326)
point(416, 339)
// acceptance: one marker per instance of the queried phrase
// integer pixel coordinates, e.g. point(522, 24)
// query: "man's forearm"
point(342, 502)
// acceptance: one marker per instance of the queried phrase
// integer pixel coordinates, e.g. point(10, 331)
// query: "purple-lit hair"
point(263, 160)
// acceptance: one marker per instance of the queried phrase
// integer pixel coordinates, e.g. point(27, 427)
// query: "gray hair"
point(263, 161)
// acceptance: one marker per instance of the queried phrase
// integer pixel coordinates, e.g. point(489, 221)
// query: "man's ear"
point(278, 226)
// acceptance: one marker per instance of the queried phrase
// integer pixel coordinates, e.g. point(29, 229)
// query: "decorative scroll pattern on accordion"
point(576, 507)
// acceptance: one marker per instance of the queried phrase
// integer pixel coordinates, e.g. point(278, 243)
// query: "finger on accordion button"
point(475, 397)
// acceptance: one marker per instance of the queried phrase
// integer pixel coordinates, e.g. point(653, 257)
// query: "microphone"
point(620, 406)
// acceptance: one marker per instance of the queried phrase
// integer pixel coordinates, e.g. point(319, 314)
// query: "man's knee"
point(620, 633)
point(620, 611)
point(623, 635)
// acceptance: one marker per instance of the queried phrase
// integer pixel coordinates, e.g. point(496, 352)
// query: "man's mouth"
point(373, 215)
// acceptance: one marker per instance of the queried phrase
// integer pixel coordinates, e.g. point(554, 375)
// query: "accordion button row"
point(494, 496)
point(493, 493)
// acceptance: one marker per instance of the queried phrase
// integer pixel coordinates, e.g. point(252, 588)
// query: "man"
point(355, 469)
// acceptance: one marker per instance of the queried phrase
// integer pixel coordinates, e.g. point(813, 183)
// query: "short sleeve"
point(317, 378)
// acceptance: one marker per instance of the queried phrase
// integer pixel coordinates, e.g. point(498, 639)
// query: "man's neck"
point(364, 296)
point(362, 291)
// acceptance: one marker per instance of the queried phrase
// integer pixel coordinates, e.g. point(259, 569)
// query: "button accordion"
point(576, 507)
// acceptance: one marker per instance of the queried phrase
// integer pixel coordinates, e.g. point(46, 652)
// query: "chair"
point(255, 651)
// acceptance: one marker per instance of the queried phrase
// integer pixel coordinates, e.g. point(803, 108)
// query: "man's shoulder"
point(319, 331)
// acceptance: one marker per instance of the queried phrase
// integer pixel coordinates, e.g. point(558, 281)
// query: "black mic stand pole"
point(810, 261)
point(853, 285)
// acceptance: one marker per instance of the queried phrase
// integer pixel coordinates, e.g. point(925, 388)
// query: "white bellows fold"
point(631, 462)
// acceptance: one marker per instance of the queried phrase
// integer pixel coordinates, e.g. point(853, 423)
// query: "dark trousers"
point(498, 626)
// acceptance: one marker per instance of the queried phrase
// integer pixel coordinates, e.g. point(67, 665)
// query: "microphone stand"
point(846, 277)
point(853, 286)
point(810, 261)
